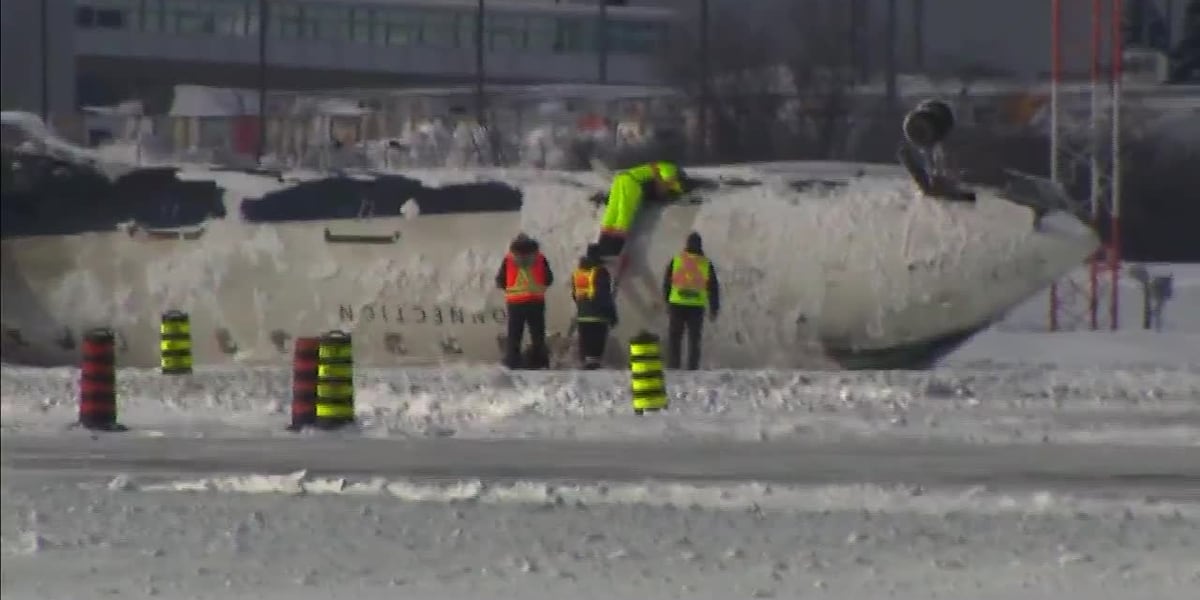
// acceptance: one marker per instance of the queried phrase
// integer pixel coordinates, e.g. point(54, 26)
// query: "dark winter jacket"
point(695, 245)
point(524, 249)
point(601, 306)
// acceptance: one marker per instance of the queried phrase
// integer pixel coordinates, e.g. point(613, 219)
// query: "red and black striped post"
point(304, 383)
point(98, 382)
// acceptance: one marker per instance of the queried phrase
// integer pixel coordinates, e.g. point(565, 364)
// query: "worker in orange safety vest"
point(524, 276)
point(596, 311)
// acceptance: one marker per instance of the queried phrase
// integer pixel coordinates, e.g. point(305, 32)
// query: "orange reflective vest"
point(583, 284)
point(524, 284)
point(689, 280)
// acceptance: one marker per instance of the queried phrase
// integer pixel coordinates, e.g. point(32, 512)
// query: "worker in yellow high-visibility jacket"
point(690, 287)
point(656, 181)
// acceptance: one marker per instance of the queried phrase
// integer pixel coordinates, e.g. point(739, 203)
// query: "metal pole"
point(890, 64)
point(263, 29)
point(1114, 221)
point(858, 56)
point(705, 74)
point(1094, 164)
point(44, 40)
point(602, 42)
point(1055, 75)
point(919, 34)
point(1169, 11)
point(480, 74)
point(481, 119)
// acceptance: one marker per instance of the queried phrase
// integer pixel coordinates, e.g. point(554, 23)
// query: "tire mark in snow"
point(1145, 471)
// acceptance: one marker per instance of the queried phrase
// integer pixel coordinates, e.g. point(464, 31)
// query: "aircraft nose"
point(1061, 242)
point(1061, 239)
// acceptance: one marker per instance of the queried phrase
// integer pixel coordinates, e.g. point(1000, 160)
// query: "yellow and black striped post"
point(335, 380)
point(175, 343)
point(646, 373)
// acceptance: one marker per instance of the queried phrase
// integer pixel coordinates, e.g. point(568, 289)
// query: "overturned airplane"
point(824, 265)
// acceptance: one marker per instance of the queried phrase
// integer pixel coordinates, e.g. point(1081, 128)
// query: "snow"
point(299, 537)
point(1028, 465)
point(1080, 348)
point(1007, 480)
point(112, 159)
point(1181, 313)
point(866, 265)
point(1136, 404)
point(316, 537)
point(34, 129)
point(203, 101)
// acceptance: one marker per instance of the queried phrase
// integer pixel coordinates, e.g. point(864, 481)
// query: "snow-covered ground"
point(1181, 313)
point(78, 530)
point(1132, 404)
point(77, 537)
point(1030, 465)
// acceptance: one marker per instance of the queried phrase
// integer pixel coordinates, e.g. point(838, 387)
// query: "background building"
point(105, 51)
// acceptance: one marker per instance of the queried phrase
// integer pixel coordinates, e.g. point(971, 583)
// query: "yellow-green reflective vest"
point(689, 280)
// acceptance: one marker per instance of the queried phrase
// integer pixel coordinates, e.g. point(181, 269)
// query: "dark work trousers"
point(690, 318)
point(520, 316)
point(593, 335)
point(610, 245)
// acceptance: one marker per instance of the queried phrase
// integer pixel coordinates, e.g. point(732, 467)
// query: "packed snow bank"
point(1180, 314)
point(1079, 349)
point(1023, 336)
point(59, 540)
point(748, 496)
point(112, 160)
point(36, 133)
point(1132, 404)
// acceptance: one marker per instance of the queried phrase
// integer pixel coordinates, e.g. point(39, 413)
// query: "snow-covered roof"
point(203, 101)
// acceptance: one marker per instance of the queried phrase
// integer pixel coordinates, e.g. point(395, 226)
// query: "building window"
point(466, 29)
point(109, 18)
point(439, 29)
point(287, 20)
point(189, 17)
point(85, 17)
point(252, 22)
point(360, 25)
point(327, 22)
point(505, 32)
point(233, 18)
point(104, 14)
point(577, 34)
point(152, 16)
point(541, 35)
point(396, 27)
point(632, 37)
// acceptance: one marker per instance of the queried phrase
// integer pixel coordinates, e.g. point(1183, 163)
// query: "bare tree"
point(819, 59)
point(783, 66)
point(735, 55)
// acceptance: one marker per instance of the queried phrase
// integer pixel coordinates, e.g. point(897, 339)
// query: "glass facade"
point(505, 29)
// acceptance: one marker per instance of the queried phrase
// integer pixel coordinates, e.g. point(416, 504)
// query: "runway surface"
point(1167, 472)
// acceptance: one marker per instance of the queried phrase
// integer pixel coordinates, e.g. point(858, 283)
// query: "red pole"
point(304, 382)
point(98, 382)
point(1114, 221)
point(1055, 75)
